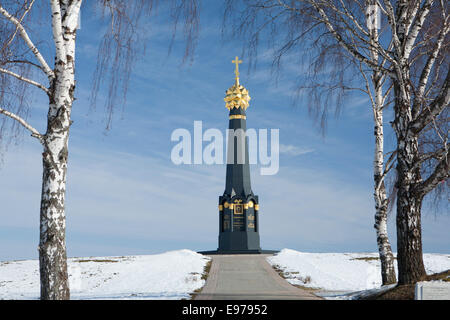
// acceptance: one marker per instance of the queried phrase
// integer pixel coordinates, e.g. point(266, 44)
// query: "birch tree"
point(411, 52)
point(23, 63)
point(380, 167)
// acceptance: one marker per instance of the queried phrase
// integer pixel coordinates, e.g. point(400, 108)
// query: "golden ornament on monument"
point(237, 96)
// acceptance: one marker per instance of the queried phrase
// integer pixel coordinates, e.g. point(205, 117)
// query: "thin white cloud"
point(294, 150)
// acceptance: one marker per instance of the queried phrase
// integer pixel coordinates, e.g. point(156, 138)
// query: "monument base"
point(239, 241)
point(212, 252)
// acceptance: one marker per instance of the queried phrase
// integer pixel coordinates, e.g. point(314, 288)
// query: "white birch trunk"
point(380, 197)
point(52, 246)
point(381, 200)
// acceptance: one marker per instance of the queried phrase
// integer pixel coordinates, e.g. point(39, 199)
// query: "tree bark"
point(409, 203)
point(52, 246)
point(381, 205)
point(381, 200)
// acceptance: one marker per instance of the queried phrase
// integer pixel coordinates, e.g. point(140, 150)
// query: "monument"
point(238, 206)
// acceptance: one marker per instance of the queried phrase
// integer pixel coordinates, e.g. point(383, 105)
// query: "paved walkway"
point(247, 277)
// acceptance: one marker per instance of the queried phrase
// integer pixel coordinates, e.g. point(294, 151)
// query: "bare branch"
point(434, 109)
point(50, 74)
point(383, 99)
point(21, 78)
point(440, 173)
point(23, 62)
point(373, 44)
point(412, 15)
point(389, 165)
point(324, 19)
point(368, 91)
point(438, 155)
point(34, 132)
point(20, 21)
point(392, 21)
point(416, 27)
point(124, 42)
point(427, 68)
point(347, 46)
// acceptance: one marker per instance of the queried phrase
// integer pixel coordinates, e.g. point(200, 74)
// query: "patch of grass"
point(369, 258)
point(206, 270)
point(366, 258)
point(96, 260)
point(286, 275)
point(12, 261)
point(205, 274)
point(280, 271)
point(194, 293)
point(403, 292)
point(406, 292)
point(444, 276)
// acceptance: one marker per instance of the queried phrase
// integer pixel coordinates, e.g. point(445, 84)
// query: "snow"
point(341, 274)
point(175, 274)
point(169, 275)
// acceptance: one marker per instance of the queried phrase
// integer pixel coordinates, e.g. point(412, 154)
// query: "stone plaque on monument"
point(432, 290)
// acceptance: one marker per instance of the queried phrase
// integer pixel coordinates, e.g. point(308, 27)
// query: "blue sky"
point(124, 195)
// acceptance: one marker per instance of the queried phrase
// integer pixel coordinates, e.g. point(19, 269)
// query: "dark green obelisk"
point(238, 207)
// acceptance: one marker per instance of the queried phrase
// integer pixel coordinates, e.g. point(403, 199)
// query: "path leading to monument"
point(248, 277)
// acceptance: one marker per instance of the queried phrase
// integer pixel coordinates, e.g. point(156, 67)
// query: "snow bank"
point(341, 271)
point(170, 275)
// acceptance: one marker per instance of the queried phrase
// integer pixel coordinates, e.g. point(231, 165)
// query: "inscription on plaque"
point(432, 291)
point(251, 222)
point(238, 218)
point(226, 222)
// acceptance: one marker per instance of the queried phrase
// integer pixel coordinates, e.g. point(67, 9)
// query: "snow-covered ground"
point(175, 274)
point(170, 275)
point(340, 275)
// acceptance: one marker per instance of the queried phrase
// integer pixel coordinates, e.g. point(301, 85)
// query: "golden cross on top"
point(236, 72)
